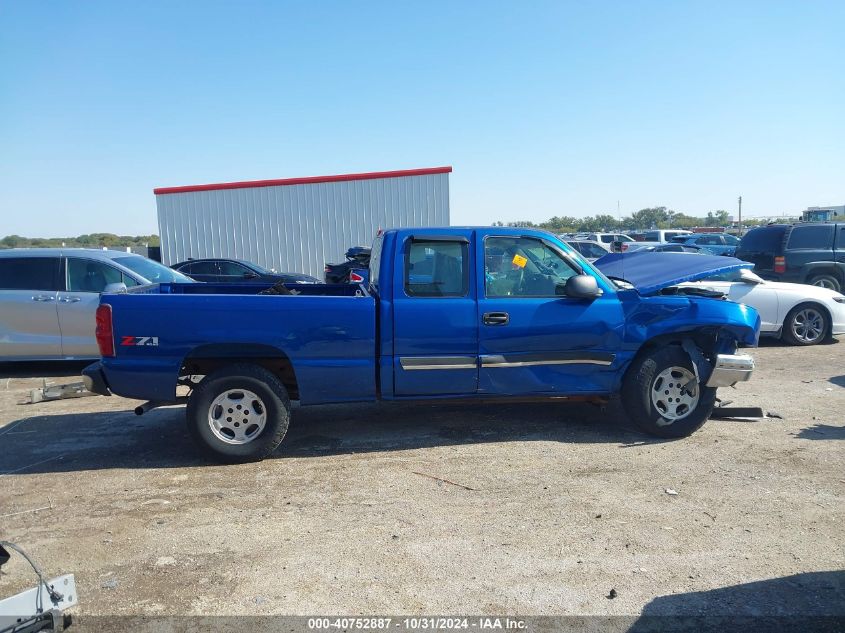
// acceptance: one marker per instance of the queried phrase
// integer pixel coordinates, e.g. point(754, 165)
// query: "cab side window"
point(437, 269)
point(88, 275)
point(523, 267)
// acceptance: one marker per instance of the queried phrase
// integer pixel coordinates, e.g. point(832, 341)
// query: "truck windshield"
point(152, 271)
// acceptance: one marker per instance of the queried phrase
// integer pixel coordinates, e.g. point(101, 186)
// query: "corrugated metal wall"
point(300, 227)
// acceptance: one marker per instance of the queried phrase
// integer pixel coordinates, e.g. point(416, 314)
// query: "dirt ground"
point(550, 508)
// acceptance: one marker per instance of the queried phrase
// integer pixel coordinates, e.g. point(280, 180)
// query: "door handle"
point(495, 318)
point(42, 298)
point(69, 299)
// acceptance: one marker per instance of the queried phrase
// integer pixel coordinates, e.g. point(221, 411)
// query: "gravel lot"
point(550, 508)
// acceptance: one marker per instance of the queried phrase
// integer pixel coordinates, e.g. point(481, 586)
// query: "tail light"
point(780, 264)
point(355, 278)
point(104, 331)
point(623, 247)
point(327, 269)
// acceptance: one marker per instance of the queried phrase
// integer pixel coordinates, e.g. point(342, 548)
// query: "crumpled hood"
point(650, 272)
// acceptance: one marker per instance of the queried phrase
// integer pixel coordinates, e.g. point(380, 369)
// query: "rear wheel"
point(239, 413)
point(827, 281)
point(806, 324)
point(662, 396)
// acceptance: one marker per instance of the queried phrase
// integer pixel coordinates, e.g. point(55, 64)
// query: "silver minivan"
point(49, 296)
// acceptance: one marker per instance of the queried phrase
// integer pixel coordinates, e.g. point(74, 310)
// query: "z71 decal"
point(138, 340)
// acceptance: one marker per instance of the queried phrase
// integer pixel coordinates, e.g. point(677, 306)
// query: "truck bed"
point(327, 332)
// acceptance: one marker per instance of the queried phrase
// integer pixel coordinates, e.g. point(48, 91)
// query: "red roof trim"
point(304, 181)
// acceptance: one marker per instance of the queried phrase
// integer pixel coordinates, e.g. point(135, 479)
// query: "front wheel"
point(806, 324)
point(239, 413)
point(661, 395)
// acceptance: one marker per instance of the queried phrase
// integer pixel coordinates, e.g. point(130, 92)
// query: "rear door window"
point(233, 269)
point(840, 237)
point(811, 237)
point(437, 269)
point(88, 275)
point(201, 268)
point(29, 273)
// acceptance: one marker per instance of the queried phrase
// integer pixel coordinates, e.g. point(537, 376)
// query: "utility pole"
point(740, 216)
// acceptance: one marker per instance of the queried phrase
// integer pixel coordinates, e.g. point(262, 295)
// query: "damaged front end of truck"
point(660, 311)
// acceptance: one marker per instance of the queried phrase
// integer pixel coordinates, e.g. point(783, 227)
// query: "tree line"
point(651, 218)
point(91, 240)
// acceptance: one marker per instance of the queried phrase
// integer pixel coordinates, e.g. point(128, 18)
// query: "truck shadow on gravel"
point(822, 432)
point(812, 601)
point(159, 439)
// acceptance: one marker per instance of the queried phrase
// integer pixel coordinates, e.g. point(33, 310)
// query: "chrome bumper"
point(731, 369)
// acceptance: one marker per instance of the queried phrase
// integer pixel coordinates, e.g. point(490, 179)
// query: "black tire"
point(826, 281)
point(792, 331)
point(273, 410)
point(637, 394)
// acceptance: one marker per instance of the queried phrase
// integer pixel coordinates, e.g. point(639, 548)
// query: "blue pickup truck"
point(470, 313)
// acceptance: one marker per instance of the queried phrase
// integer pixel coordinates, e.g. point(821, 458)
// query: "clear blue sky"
point(542, 108)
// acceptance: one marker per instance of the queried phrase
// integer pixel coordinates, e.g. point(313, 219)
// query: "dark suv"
point(806, 253)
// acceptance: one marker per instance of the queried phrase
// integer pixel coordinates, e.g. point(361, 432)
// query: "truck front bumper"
point(730, 369)
point(95, 380)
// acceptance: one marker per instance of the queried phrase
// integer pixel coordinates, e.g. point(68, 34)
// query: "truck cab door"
point(435, 337)
point(533, 339)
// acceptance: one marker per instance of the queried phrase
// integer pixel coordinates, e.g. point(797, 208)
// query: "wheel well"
point(704, 339)
point(825, 270)
point(813, 304)
point(208, 358)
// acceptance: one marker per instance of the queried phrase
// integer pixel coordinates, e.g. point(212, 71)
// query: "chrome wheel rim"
point(237, 416)
point(808, 325)
point(825, 283)
point(674, 393)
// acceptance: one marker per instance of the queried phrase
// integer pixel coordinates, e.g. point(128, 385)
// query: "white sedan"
point(800, 314)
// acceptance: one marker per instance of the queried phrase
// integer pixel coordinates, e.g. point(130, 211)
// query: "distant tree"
point(13, 241)
point(681, 221)
point(94, 240)
point(649, 218)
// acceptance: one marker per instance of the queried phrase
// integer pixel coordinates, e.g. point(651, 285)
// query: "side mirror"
point(580, 287)
point(115, 287)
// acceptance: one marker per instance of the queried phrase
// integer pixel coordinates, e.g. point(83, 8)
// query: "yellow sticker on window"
point(519, 260)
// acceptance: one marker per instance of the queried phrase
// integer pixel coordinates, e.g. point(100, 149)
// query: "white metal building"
point(297, 224)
